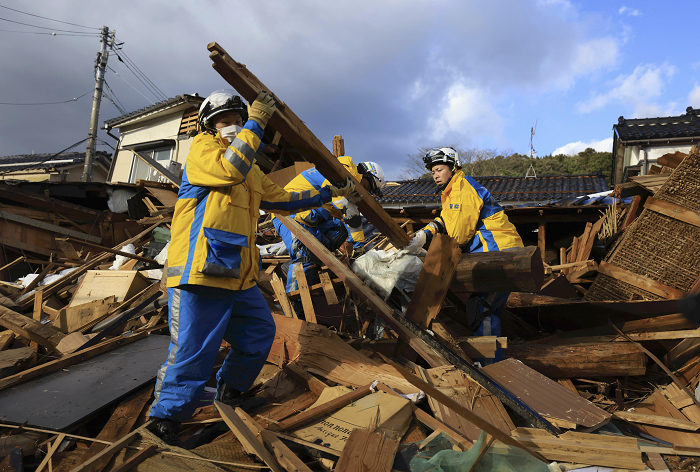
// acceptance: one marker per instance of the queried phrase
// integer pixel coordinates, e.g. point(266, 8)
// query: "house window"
point(142, 171)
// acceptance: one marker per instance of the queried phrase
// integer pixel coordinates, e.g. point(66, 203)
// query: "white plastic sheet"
point(377, 270)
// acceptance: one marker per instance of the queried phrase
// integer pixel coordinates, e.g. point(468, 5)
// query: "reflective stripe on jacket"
point(311, 179)
point(216, 214)
point(471, 215)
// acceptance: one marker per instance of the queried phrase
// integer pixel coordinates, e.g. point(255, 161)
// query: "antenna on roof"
point(533, 153)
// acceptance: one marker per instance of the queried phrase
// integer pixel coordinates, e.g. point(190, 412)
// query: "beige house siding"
point(64, 174)
point(157, 128)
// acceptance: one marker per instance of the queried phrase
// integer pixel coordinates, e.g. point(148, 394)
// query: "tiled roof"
point(683, 126)
point(194, 99)
point(23, 162)
point(541, 188)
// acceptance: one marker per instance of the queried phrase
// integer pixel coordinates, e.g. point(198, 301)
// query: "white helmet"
point(443, 155)
point(374, 174)
point(220, 102)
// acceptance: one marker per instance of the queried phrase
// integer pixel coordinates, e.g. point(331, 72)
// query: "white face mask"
point(230, 132)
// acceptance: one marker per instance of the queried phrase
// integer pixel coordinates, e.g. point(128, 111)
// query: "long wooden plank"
point(50, 452)
point(306, 302)
point(295, 131)
point(434, 280)
point(424, 344)
point(639, 281)
point(367, 451)
point(44, 335)
point(671, 210)
point(137, 458)
point(246, 436)
point(119, 424)
point(48, 227)
point(664, 421)
point(460, 410)
point(283, 454)
point(96, 462)
point(110, 250)
point(328, 290)
point(281, 295)
point(314, 413)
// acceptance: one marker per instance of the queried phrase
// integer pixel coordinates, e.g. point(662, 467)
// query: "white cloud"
point(694, 97)
point(465, 110)
point(637, 91)
point(571, 149)
point(629, 11)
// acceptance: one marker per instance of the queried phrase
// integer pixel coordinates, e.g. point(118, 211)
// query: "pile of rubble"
point(361, 379)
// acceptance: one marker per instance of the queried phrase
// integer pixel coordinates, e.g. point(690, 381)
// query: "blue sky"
point(390, 76)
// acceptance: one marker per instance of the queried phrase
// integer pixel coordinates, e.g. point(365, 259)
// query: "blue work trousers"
point(200, 318)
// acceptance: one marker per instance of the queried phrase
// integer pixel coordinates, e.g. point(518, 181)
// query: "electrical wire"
point(113, 98)
point(43, 27)
point(51, 156)
point(48, 103)
point(155, 94)
point(131, 85)
point(46, 18)
point(105, 143)
point(126, 56)
point(81, 35)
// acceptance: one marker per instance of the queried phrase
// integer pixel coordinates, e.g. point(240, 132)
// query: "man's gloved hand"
point(262, 108)
point(346, 189)
point(417, 243)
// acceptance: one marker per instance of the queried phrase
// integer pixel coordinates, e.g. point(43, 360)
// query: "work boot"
point(167, 430)
point(234, 398)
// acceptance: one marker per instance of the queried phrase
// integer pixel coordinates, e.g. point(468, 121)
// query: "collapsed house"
point(601, 350)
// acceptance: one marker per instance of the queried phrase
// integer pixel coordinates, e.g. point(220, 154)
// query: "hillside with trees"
point(483, 162)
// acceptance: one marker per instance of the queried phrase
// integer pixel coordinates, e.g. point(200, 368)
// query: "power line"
point(43, 27)
point(50, 19)
point(129, 83)
point(126, 56)
point(145, 84)
point(82, 35)
point(47, 103)
point(120, 107)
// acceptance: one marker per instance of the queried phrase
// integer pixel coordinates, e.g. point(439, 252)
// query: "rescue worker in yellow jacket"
point(477, 222)
point(330, 224)
point(213, 262)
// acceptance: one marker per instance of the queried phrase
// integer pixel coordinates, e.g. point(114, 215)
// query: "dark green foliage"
point(486, 162)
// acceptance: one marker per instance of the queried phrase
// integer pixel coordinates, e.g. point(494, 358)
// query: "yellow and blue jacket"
point(216, 214)
point(311, 179)
point(471, 216)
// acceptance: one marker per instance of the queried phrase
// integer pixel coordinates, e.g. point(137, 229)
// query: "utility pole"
point(100, 65)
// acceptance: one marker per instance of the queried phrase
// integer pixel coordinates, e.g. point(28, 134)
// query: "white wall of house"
point(161, 126)
point(647, 155)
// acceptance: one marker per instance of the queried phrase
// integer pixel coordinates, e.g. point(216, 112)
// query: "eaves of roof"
point(195, 100)
point(681, 127)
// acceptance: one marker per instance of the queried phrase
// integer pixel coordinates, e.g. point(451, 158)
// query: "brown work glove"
point(262, 108)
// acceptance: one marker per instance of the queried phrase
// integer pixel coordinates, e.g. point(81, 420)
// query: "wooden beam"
point(671, 210)
point(137, 458)
point(639, 281)
point(311, 414)
point(328, 290)
point(303, 377)
point(656, 420)
point(306, 302)
point(96, 462)
point(48, 227)
point(49, 453)
point(110, 250)
point(281, 294)
point(461, 410)
point(246, 436)
point(541, 228)
point(514, 270)
point(434, 280)
point(430, 349)
point(44, 335)
point(295, 131)
point(338, 146)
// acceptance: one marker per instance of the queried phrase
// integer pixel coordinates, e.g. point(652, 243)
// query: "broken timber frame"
point(423, 343)
point(296, 133)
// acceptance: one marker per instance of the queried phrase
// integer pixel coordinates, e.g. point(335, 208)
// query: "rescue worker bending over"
point(471, 216)
point(328, 224)
point(213, 263)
